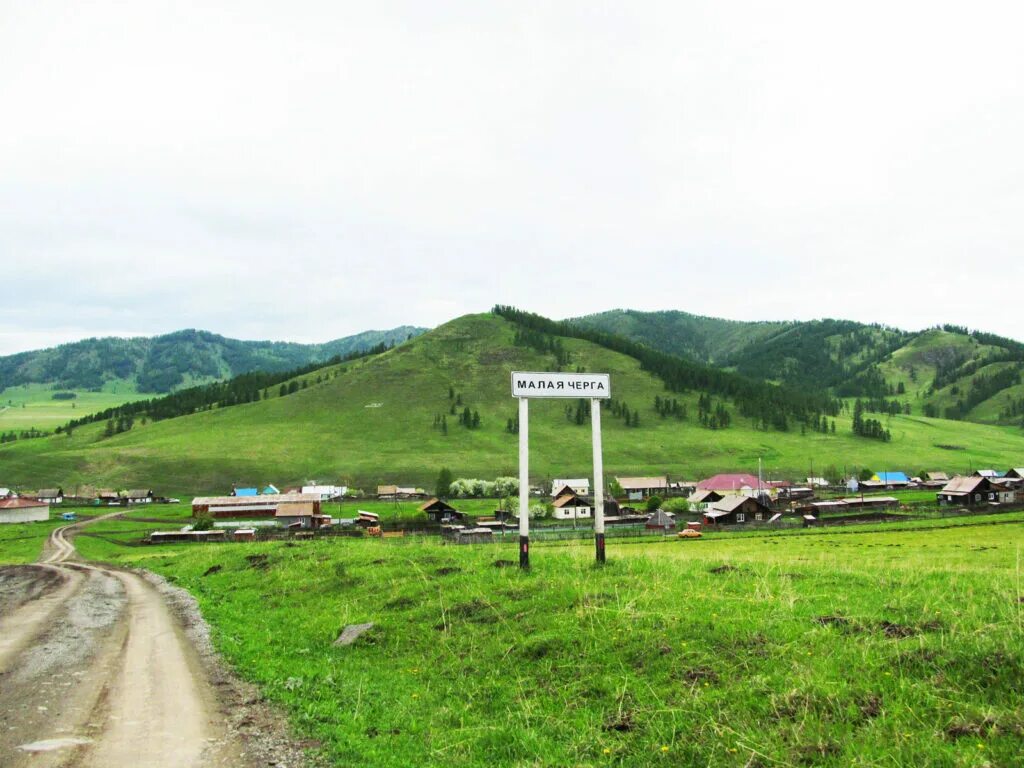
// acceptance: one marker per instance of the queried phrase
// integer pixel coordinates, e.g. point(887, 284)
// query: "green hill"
point(174, 360)
point(377, 419)
point(950, 372)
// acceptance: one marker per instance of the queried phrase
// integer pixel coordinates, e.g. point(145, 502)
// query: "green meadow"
point(373, 421)
point(32, 406)
point(875, 646)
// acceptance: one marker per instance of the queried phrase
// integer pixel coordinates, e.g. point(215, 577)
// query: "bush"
point(506, 486)
point(466, 487)
point(203, 523)
point(653, 503)
point(676, 505)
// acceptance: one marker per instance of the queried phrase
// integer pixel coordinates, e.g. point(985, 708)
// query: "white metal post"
point(524, 482)
point(595, 420)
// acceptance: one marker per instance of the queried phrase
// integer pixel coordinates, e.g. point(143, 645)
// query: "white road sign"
point(535, 384)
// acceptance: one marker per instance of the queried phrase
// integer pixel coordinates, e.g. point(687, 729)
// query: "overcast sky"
point(307, 170)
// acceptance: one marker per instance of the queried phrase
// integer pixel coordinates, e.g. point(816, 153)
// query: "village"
point(560, 508)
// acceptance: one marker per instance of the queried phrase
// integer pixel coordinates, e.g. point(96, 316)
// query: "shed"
point(244, 534)
point(473, 536)
point(250, 506)
point(661, 520)
point(248, 490)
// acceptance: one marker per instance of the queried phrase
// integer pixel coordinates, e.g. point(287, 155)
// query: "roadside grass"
point(23, 542)
point(897, 647)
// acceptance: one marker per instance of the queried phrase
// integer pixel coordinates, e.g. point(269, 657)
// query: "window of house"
point(758, 516)
point(740, 517)
point(991, 496)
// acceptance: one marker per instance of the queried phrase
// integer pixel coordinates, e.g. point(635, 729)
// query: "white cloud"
point(311, 171)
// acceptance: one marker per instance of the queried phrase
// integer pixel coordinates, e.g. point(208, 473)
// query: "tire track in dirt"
point(137, 696)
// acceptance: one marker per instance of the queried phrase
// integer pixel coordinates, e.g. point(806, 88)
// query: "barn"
point(256, 506)
point(15, 510)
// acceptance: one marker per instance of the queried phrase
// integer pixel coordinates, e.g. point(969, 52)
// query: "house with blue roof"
point(891, 479)
point(236, 491)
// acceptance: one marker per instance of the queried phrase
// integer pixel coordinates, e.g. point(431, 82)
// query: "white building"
point(23, 511)
point(580, 486)
point(326, 492)
point(569, 507)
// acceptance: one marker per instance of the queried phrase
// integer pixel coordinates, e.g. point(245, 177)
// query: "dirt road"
point(97, 672)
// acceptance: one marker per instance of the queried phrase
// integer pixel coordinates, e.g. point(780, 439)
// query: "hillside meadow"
point(879, 646)
point(373, 421)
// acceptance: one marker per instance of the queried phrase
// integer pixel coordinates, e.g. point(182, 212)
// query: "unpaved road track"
point(95, 672)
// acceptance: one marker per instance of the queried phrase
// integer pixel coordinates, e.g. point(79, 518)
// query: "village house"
point(974, 490)
point(933, 480)
point(272, 490)
point(989, 473)
point(735, 485)
point(887, 480)
point(139, 496)
point(109, 498)
point(438, 511)
point(699, 500)
point(733, 510)
point(51, 495)
point(15, 510)
point(302, 514)
point(569, 506)
point(579, 485)
point(639, 488)
point(245, 490)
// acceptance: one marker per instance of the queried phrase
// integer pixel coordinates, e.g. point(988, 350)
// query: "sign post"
point(595, 386)
point(524, 483)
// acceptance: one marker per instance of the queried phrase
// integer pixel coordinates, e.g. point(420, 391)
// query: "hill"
point(394, 417)
point(165, 363)
point(950, 371)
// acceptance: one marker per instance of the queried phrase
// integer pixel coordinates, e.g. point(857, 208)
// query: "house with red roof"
point(736, 485)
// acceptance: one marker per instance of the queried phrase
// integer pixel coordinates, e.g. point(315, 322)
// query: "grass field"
point(895, 647)
point(33, 406)
point(373, 423)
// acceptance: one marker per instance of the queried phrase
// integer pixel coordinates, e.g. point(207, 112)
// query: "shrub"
point(653, 503)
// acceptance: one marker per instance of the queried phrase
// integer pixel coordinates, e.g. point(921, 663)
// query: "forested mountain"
point(443, 400)
point(951, 372)
point(183, 358)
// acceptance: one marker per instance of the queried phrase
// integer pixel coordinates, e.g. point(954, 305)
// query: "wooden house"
point(438, 511)
point(974, 490)
point(735, 510)
point(51, 495)
point(638, 488)
point(578, 485)
point(569, 506)
point(139, 496)
point(699, 500)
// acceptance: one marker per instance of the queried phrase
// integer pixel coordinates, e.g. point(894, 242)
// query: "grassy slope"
point(661, 658)
point(32, 405)
point(328, 432)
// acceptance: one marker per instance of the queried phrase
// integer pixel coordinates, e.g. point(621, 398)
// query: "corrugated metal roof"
point(266, 500)
point(641, 483)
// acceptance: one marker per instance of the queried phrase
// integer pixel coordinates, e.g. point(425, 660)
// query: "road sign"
point(574, 385)
point(527, 385)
